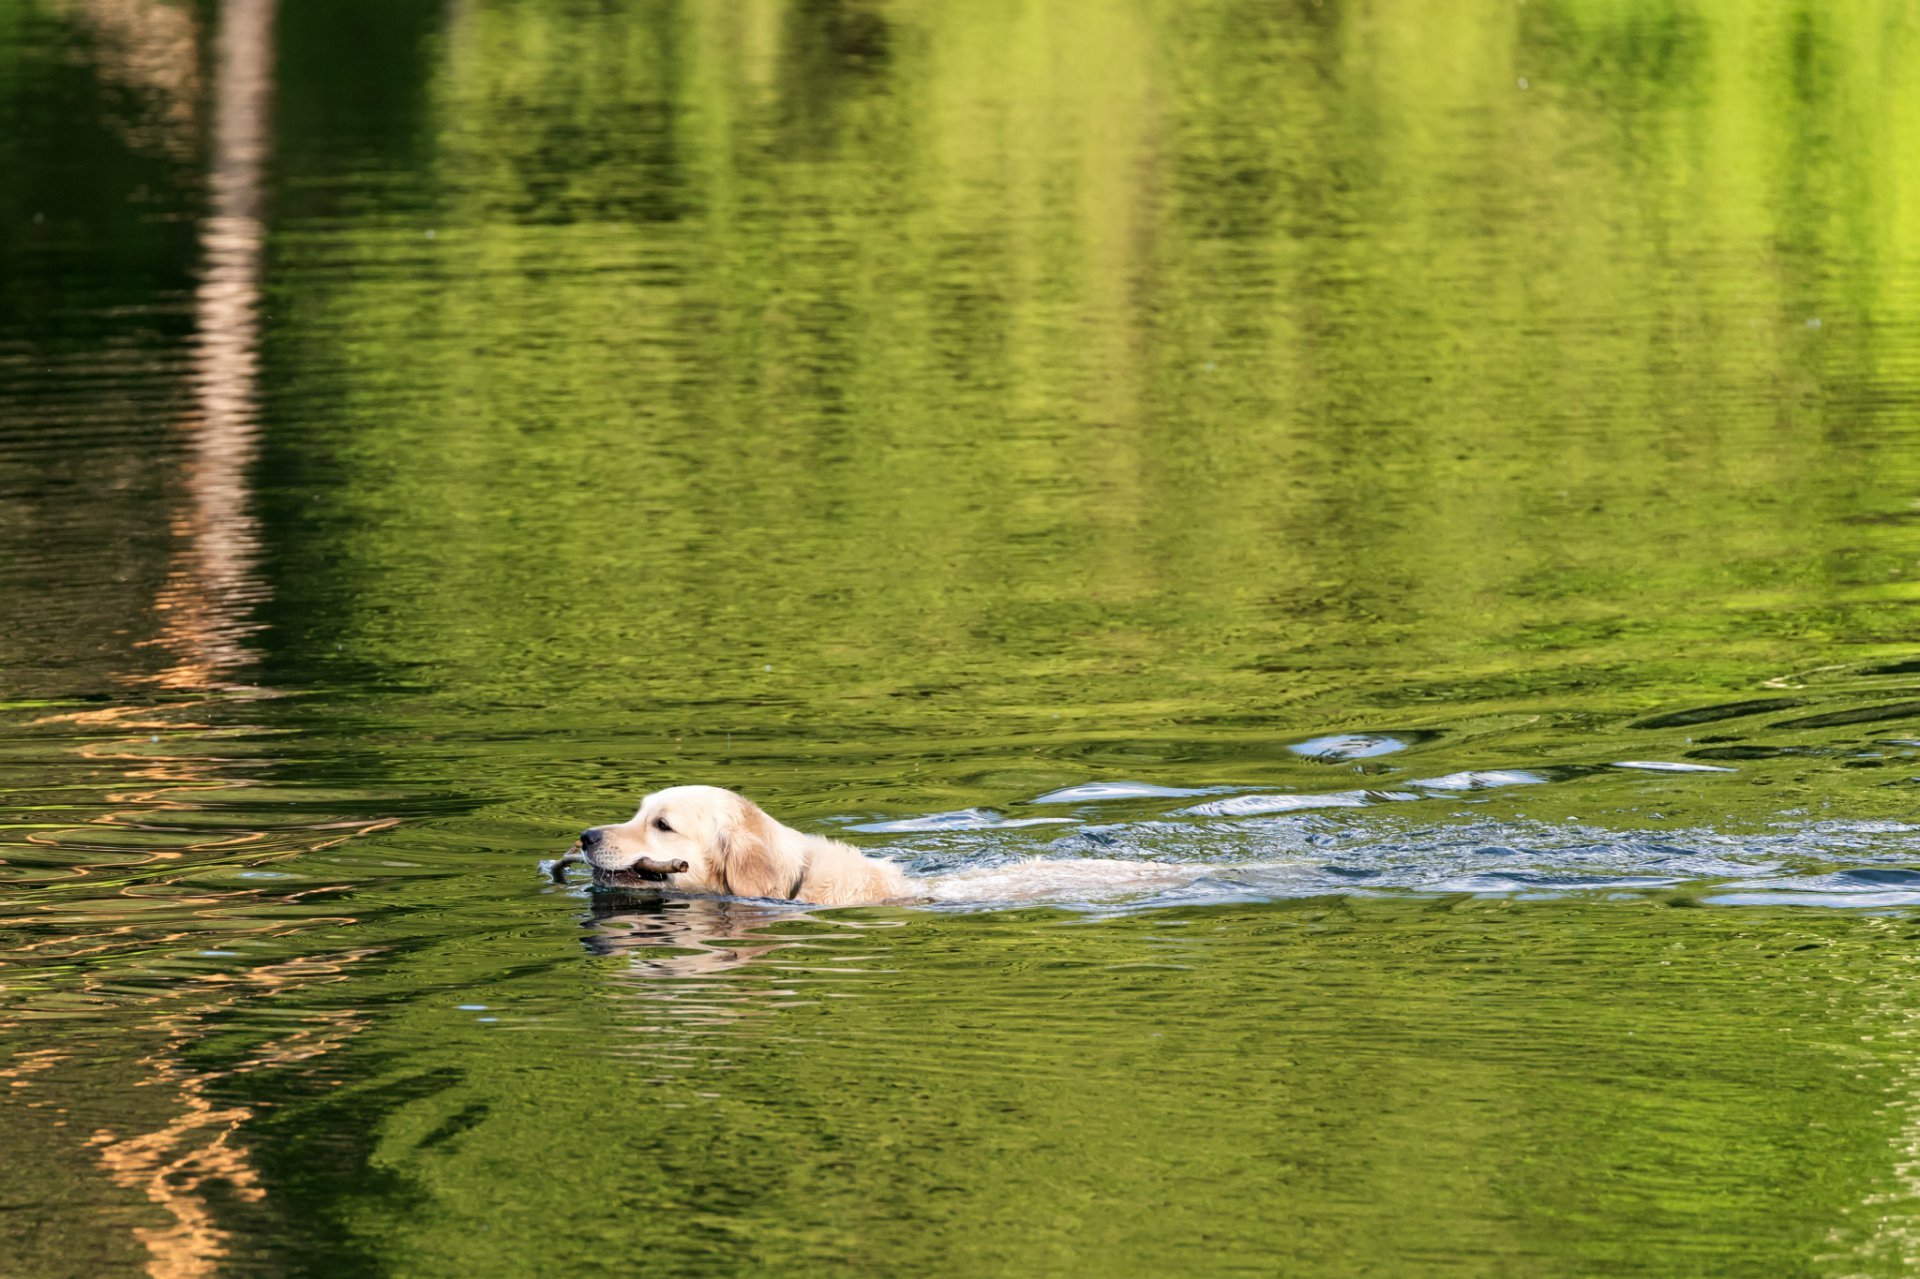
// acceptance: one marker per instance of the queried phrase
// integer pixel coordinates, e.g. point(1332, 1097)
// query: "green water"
point(1426, 496)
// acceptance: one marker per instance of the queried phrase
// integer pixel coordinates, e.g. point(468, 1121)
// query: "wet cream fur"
point(732, 847)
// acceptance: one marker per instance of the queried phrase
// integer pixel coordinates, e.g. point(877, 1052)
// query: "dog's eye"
point(660, 823)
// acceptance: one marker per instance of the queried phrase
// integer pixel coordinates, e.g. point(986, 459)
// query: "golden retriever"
point(701, 839)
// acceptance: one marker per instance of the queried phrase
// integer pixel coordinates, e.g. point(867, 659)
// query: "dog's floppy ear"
point(756, 866)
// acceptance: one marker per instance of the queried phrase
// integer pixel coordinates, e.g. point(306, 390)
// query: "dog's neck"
point(802, 844)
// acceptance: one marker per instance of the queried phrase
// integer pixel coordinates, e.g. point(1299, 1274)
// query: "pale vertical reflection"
point(207, 606)
point(199, 1160)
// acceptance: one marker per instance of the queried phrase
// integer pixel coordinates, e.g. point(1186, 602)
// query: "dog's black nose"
point(589, 837)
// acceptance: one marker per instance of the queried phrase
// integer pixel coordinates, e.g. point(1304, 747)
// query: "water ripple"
point(1229, 853)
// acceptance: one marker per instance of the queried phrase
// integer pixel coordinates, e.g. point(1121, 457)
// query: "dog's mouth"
point(645, 871)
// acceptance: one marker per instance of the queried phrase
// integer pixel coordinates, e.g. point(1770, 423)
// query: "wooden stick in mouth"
point(646, 867)
point(557, 869)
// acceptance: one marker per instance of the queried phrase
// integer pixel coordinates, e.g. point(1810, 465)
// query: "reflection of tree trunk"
point(197, 1160)
point(214, 587)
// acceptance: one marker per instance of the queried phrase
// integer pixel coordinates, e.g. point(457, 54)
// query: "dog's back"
point(839, 875)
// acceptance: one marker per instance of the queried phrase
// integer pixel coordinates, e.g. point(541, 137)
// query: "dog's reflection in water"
point(687, 936)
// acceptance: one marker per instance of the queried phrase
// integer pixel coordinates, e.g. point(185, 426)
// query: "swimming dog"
point(702, 839)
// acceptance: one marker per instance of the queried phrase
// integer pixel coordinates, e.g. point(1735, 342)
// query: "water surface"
point(1369, 554)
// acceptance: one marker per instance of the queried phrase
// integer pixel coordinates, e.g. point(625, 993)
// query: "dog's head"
point(727, 843)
